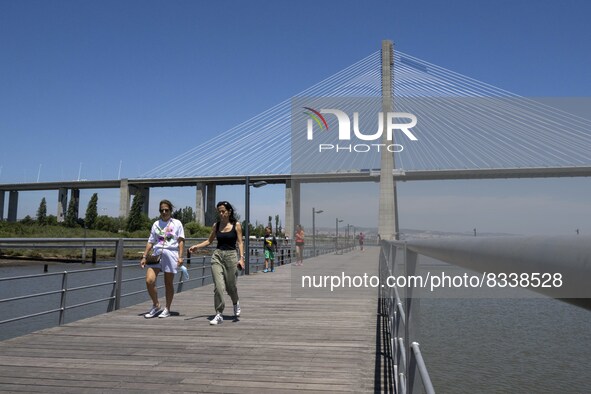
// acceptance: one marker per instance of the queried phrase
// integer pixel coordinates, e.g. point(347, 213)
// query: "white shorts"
point(168, 261)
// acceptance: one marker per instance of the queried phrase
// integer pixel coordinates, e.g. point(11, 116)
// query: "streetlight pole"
point(247, 186)
point(348, 234)
point(314, 212)
point(337, 236)
point(247, 225)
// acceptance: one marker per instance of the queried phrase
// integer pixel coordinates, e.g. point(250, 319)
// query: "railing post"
point(203, 272)
point(119, 272)
point(411, 308)
point(427, 384)
point(63, 298)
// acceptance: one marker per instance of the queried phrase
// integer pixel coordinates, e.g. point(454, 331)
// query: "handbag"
point(152, 260)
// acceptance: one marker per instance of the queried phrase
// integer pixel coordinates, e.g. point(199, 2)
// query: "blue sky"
point(91, 87)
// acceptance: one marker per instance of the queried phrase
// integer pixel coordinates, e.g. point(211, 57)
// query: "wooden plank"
point(281, 343)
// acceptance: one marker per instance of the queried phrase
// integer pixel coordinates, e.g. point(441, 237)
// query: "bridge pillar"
point(387, 215)
point(12, 205)
point(292, 207)
point(62, 204)
point(75, 199)
point(1, 205)
point(124, 198)
point(210, 210)
point(145, 190)
point(199, 200)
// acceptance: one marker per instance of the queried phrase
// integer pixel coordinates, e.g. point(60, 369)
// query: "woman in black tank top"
point(226, 240)
point(224, 263)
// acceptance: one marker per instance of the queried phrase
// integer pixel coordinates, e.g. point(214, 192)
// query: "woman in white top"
point(167, 240)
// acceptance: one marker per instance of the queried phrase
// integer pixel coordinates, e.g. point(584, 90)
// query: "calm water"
point(521, 345)
point(527, 345)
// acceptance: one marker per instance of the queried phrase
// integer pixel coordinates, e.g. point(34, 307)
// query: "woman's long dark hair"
point(229, 208)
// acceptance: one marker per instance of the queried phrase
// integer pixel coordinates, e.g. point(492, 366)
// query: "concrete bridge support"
point(62, 204)
point(124, 198)
point(210, 210)
point(292, 207)
point(145, 191)
point(75, 200)
point(199, 203)
point(1, 205)
point(12, 205)
point(126, 192)
point(387, 216)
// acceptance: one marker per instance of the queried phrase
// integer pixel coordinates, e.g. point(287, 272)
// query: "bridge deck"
point(283, 342)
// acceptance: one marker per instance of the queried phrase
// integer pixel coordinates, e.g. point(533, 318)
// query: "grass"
point(33, 230)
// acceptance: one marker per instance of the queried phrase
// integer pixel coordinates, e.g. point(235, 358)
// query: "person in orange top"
point(299, 241)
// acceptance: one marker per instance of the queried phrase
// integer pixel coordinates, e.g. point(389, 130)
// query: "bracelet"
point(144, 256)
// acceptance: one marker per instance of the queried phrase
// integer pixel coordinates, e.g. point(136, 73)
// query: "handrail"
point(405, 354)
point(568, 256)
point(422, 368)
point(63, 288)
point(116, 284)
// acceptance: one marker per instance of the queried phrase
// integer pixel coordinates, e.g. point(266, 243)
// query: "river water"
point(478, 345)
point(522, 345)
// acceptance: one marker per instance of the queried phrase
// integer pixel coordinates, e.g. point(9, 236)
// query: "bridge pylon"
point(388, 212)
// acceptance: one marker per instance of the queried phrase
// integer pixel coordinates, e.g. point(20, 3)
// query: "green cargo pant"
point(223, 270)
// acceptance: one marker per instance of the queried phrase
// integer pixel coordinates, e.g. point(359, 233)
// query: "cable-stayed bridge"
point(465, 129)
point(464, 124)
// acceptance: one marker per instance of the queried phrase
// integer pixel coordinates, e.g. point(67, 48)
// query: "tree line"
point(136, 221)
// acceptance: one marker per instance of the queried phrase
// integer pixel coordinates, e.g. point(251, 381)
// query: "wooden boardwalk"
point(285, 341)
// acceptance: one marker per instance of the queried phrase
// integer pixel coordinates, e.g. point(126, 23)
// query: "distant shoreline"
point(6, 261)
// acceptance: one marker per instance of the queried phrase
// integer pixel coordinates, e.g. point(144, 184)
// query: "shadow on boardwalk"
point(287, 340)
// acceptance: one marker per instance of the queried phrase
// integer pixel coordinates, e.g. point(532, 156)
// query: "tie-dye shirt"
point(166, 235)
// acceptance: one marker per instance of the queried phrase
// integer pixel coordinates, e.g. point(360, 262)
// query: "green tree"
point(106, 223)
point(91, 212)
point(52, 220)
point(27, 220)
point(71, 215)
point(196, 230)
point(42, 212)
point(185, 215)
point(135, 221)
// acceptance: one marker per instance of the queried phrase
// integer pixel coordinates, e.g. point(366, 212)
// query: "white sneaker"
point(218, 319)
point(153, 312)
point(237, 309)
point(165, 313)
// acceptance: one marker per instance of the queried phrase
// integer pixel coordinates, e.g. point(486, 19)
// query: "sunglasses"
point(164, 210)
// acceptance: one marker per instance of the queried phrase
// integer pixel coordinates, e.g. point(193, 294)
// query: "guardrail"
point(505, 262)
point(556, 266)
point(116, 287)
point(398, 309)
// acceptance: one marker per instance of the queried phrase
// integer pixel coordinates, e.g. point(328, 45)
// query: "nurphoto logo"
point(344, 130)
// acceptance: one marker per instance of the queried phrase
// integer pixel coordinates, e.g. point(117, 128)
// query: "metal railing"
point(399, 309)
point(505, 259)
point(117, 287)
point(114, 287)
point(567, 258)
